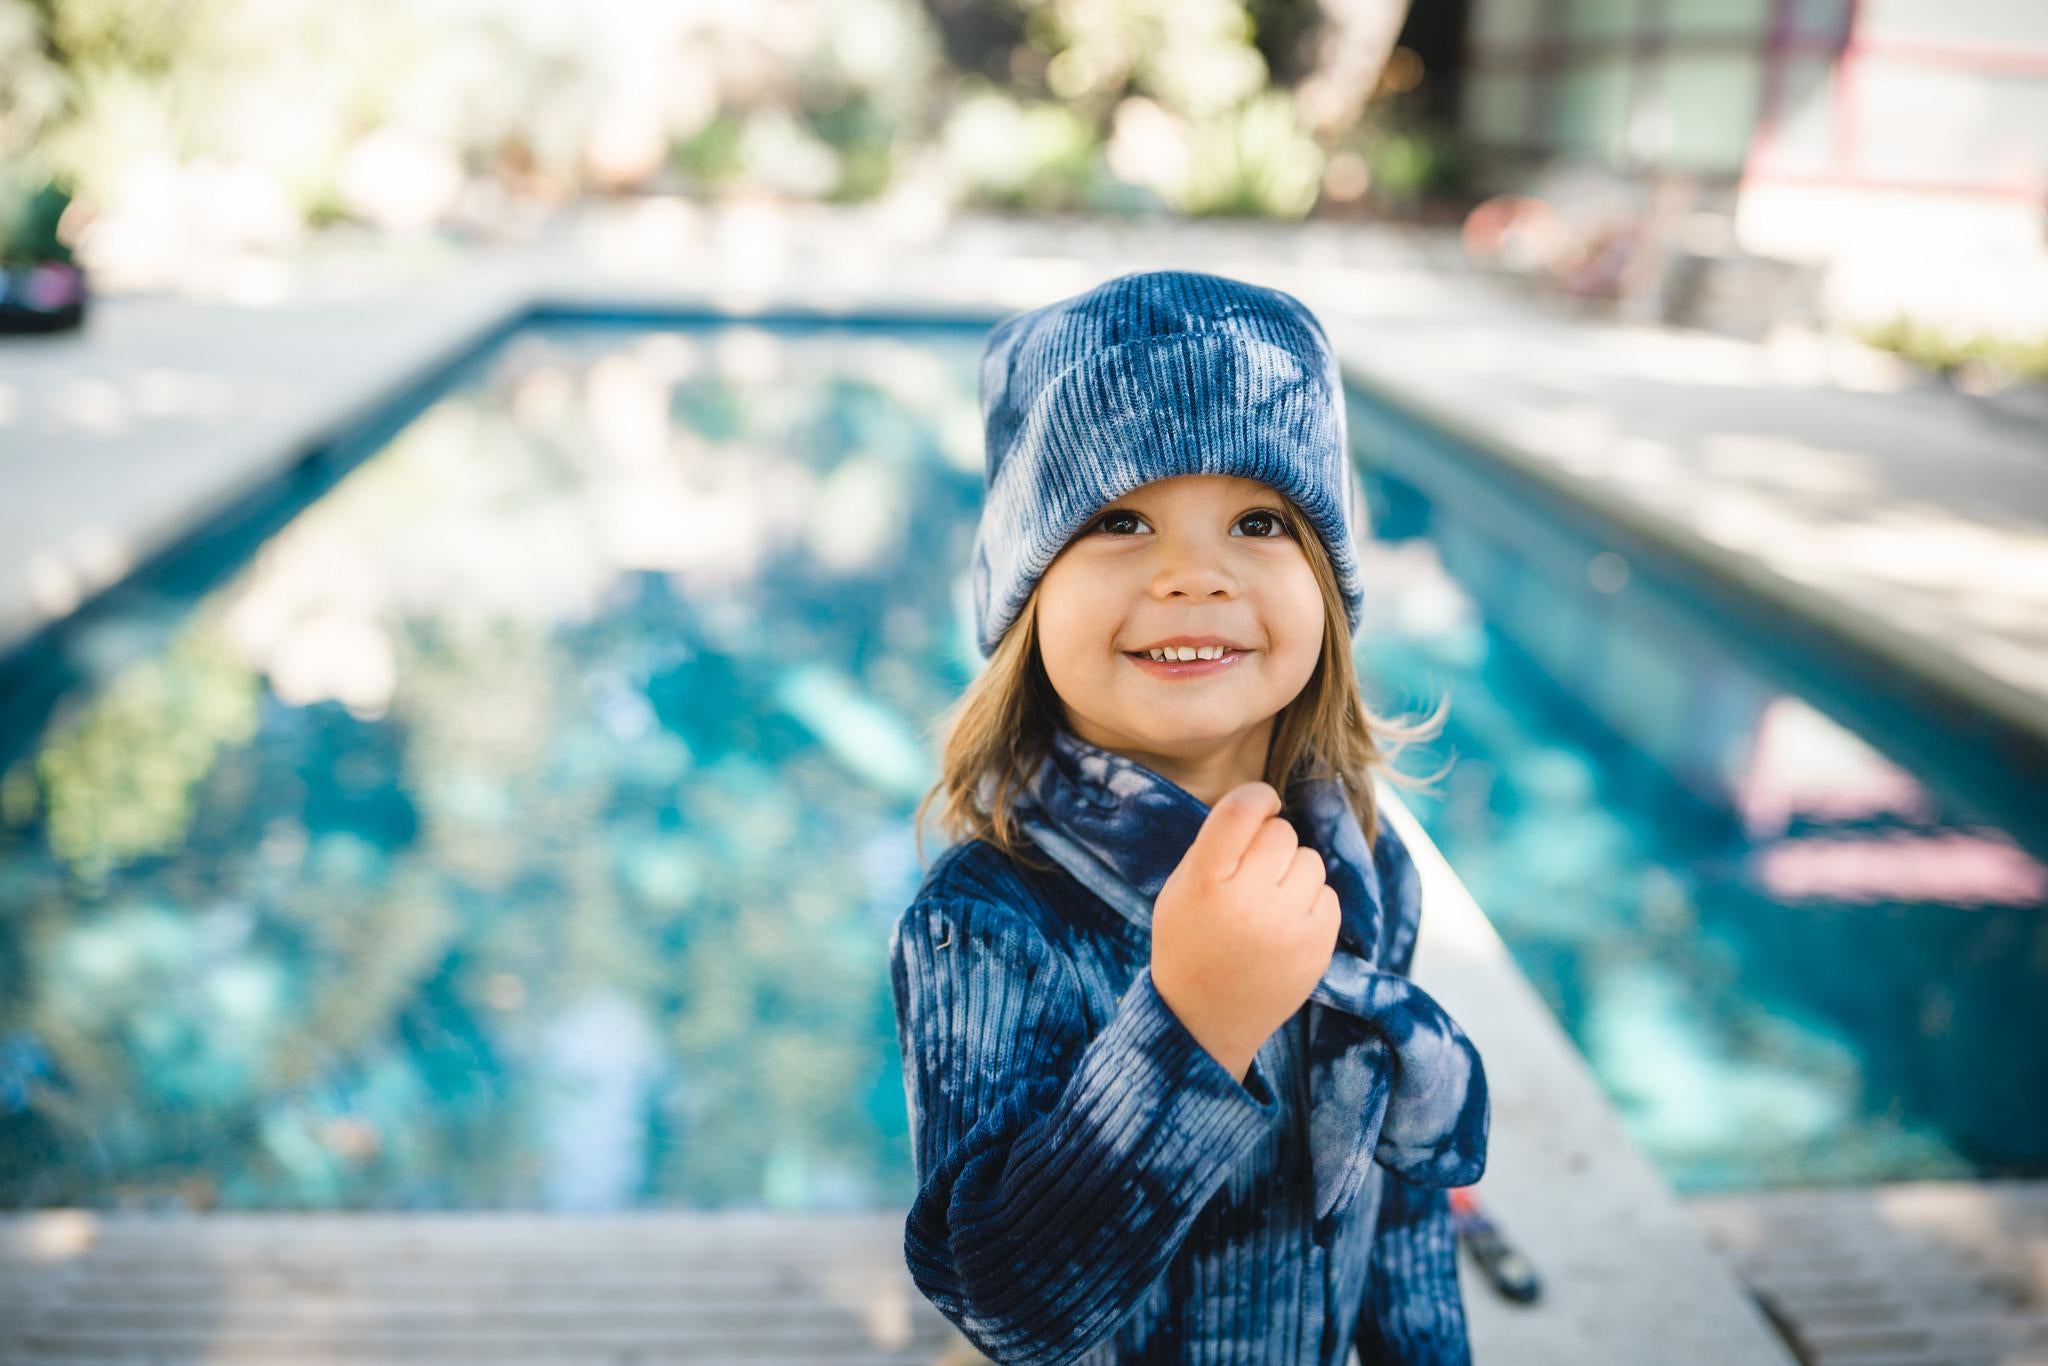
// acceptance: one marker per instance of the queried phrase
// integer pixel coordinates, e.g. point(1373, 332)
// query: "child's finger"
point(1230, 827)
point(1265, 864)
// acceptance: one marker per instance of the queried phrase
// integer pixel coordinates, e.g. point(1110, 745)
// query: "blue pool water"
point(510, 811)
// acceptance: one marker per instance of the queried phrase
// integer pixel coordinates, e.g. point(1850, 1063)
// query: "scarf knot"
point(1392, 1077)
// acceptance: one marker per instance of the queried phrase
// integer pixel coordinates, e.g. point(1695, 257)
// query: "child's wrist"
point(1232, 1053)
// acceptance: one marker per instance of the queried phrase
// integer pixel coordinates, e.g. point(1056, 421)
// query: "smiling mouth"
point(1184, 668)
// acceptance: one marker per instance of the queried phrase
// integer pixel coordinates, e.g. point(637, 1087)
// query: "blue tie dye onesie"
point(1093, 1185)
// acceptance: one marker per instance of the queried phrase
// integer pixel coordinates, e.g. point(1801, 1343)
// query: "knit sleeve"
point(1414, 1309)
point(1057, 1174)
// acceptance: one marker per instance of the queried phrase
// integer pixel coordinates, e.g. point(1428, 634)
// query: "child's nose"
point(1192, 571)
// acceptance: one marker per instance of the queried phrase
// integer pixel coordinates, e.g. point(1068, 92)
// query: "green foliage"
point(324, 206)
point(1941, 349)
point(711, 155)
point(106, 806)
point(29, 212)
point(1254, 161)
point(1408, 162)
point(102, 88)
point(152, 38)
point(1038, 157)
point(1064, 164)
point(863, 140)
point(32, 86)
point(1282, 29)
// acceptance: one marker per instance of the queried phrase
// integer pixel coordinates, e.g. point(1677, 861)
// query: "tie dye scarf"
point(1393, 1078)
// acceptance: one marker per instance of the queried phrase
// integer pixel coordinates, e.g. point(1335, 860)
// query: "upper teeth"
point(1165, 652)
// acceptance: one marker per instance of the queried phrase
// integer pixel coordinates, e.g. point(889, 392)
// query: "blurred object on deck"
point(41, 288)
point(46, 297)
point(1667, 262)
point(1507, 1270)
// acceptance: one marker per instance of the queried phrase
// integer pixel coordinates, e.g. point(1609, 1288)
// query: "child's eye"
point(1272, 527)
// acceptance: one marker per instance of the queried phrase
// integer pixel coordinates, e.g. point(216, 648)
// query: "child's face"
point(1196, 555)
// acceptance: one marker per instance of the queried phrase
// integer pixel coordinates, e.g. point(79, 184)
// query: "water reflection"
point(596, 1074)
point(1789, 955)
point(521, 824)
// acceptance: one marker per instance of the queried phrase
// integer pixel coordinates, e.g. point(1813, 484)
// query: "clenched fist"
point(1244, 927)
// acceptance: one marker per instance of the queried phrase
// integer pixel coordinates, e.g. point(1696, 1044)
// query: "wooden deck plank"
point(1925, 1273)
point(446, 1287)
point(1927, 1276)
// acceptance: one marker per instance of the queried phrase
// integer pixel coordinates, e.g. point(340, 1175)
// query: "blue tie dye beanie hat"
point(1144, 377)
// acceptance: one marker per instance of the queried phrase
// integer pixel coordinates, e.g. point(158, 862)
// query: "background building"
point(1851, 135)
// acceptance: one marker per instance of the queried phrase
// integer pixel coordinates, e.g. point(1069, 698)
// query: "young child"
point(1172, 1095)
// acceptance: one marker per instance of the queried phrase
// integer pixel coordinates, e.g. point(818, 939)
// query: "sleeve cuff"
point(1146, 1079)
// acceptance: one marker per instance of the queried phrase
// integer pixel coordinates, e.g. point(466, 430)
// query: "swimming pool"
point(1788, 903)
point(509, 809)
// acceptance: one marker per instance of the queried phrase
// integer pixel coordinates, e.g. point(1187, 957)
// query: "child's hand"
point(1244, 927)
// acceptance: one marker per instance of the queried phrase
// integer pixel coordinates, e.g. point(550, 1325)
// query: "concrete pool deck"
point(1808, 471)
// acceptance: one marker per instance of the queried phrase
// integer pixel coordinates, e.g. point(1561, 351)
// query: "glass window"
point(1818, 18)
point(1712, 101)
point(1592, 100)
point(1600, 18)
point(1718, 18)
point(1497, 108)
point(1503, 23)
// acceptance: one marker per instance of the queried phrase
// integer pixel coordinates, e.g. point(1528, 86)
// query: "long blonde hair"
point(1000, 728)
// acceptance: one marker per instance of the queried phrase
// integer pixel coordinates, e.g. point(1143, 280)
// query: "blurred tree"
point(31, 81)
point(32, 93)
point(160, 115)
point(985, 37)
point(1285, 32)
point(1351, 49)
point(1202, 106)
point(148, 38)
point(31, 207)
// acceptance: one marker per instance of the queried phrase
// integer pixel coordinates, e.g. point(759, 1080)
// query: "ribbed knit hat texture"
point(1144, 377)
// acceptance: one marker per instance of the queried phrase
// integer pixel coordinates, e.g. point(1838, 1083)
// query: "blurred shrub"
point(1409, 162)
point(183, 125)
point(1039, 156)
point(863, 137)
point(32, 93)
point(31, 83)
point(1409, 153)
point(1148, 104)
point(1253, 160)
point(30, 208)
point(710, 157)
point(1947, 351)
